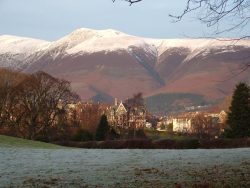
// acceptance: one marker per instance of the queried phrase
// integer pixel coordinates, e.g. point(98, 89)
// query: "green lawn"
point(7, 141)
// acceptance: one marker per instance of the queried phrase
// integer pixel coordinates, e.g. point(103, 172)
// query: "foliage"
point(89, 116)
point(113, 135)
point(205, 126)
point(239, 112)
point(136, 101)
point(33, 106)
point(8, 82)
point(82, 135)
point(102, 129)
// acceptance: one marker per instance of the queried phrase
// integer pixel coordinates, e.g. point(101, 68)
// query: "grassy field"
point(45, 168)
point(7, 141)
point(29, 164)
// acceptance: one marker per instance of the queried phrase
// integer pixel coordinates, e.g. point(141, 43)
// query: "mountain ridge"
point(119, 65)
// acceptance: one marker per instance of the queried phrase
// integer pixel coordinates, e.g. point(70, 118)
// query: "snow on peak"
point(83, 34)
point(88, 33)
point(17, 45)
point(88, 41)
point(85, 40)
point(195, 44)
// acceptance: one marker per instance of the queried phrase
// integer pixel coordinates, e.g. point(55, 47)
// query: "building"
point(182, 124)
point(187, 122)
point(124, 116)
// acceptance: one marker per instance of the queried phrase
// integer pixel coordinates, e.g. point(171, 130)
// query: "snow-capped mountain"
point(115, 64)
point(14, 50)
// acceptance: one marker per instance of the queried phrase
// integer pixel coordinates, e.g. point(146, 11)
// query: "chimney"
point(116, 102)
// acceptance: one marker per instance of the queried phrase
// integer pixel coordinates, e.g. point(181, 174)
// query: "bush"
point(82, 135)
point(113, 135)
point(225, 143)
point(177, 144)
point(160, 144)
point(136, 134)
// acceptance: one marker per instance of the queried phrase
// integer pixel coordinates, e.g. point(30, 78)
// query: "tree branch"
point(130, 1)
point(237, 12)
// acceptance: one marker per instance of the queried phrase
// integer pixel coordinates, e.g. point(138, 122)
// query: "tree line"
point(40, 107)
point(33, 106)
point(36, 106)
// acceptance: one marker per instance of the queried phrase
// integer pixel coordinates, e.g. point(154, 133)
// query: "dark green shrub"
point(82, 135)
point(102, 129)
point(239, 113)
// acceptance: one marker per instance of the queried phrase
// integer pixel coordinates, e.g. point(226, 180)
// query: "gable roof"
point(120, 107)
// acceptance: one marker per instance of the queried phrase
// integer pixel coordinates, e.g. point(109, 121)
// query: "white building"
point(182, 124)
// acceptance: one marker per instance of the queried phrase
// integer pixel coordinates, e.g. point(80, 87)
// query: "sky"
point(53, 19)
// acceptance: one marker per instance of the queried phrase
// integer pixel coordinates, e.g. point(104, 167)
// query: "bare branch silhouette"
point(214, 12)
point(130, 1)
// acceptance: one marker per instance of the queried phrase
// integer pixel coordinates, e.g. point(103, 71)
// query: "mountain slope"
point(14, 50)
point(102, 64)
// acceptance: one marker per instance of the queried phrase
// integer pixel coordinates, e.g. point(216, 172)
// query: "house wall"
point(182, 125)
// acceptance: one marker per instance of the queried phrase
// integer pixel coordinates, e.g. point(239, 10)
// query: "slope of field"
point(12, 142)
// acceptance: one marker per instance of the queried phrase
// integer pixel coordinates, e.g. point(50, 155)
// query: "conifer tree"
point(102, 129)
point(239, 112)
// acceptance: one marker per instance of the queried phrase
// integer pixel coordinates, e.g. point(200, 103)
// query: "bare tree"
point(8, 82)
point(33, 106)
point(42, 97)
point(205, 126)
point(213, 12)
point(90, 115)
point(130, 1)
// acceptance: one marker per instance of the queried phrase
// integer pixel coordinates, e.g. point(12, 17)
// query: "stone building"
point(121, 115)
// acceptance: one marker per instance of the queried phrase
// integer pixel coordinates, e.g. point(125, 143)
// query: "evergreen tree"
point(239, 112)
point(102, 129)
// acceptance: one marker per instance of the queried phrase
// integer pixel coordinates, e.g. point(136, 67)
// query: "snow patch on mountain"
point(89, 41)
point(15, 50)
point(195, 44)
point(86, 41)
point(20, 45)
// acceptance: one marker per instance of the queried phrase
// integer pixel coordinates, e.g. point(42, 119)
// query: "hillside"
point(104, 64)
point(173, 102)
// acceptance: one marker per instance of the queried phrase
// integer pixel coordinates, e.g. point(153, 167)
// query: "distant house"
point(117, 115)
point(186, 123)
point(126, 117)
point(182, 124)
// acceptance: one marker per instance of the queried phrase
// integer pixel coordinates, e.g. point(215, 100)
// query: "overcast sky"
point(52, 19)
